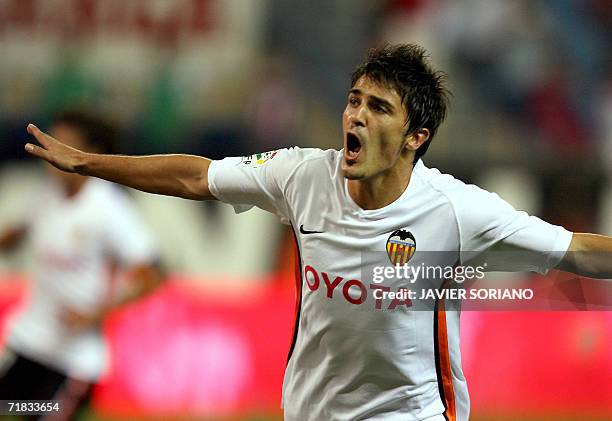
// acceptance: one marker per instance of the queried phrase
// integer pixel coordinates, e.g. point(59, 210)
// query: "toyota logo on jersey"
point(401, 246)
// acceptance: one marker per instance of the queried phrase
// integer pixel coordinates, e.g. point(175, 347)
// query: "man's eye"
point(378, 108)
point(353, 101)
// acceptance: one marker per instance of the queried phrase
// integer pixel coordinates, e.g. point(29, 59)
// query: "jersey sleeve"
point(504, 238)
point(126, 236)
point(257, 180)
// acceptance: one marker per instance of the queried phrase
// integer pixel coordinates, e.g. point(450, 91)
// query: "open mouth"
point(353, 146)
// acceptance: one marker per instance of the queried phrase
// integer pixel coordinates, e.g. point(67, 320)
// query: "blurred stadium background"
point(531, 119)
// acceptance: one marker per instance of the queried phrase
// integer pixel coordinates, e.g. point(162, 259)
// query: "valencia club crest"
point(401, 246)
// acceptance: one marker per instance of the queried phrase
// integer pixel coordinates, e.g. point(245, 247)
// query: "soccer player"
point(81, 230)
point(355, 356)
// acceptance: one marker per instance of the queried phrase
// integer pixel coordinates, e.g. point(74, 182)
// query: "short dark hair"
point(406, 69)
point(98, 133)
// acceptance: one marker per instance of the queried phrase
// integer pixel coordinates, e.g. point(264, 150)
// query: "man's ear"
point(415, 140)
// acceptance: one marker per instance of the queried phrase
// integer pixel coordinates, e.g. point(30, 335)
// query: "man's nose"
point(357, 117)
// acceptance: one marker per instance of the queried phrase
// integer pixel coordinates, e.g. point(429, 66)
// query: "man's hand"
point(75, 320)
point(173, 175)
point(10, 238)
point(54, 152)
point(144, 280)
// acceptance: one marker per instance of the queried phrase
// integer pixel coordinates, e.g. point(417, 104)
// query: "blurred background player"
point(82, 231)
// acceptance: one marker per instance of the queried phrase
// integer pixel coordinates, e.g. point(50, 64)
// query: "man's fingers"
point(37, 151)
point(32, 128)
point(40, 136)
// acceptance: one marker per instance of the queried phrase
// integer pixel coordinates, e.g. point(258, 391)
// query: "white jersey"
point(74, 240)
point(355, 356)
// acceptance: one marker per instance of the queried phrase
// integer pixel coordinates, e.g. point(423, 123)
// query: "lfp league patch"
point(258, 159)
point(401, 246)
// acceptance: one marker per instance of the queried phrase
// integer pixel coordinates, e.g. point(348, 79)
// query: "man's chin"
point(350, 171)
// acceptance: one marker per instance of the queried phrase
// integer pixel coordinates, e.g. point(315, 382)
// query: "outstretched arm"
point(589, 255)
point(173, 175)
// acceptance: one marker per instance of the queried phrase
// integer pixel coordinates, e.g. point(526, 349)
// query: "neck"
point(381, 190)
point(73, 188)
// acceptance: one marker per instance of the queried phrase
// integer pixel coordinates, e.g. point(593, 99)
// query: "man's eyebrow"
point(378, 100)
